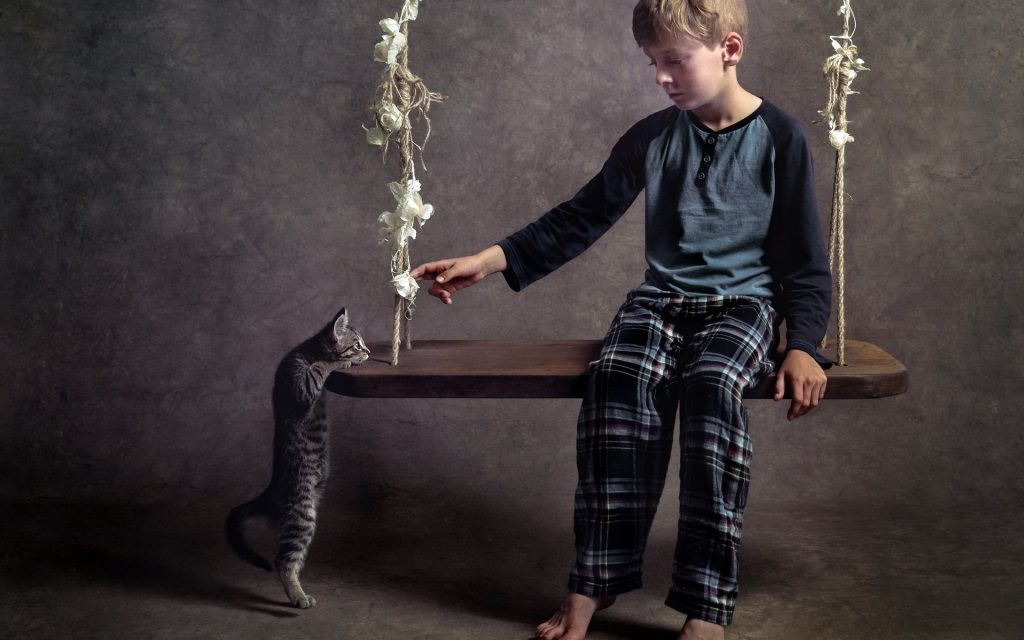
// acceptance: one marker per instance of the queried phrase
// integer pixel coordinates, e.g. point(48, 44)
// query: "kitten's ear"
point(340, 323)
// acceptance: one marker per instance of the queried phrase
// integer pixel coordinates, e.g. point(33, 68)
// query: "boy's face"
point(692, 74)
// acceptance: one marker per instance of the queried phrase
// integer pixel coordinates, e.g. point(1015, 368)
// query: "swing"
point(558, 369)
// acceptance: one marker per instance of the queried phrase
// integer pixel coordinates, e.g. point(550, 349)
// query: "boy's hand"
point(452, 274)
point(806, 380)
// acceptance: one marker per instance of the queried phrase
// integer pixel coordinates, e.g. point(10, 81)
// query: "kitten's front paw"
point(305, 602)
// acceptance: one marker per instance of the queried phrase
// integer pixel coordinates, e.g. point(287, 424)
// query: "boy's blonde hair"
point(707, 21)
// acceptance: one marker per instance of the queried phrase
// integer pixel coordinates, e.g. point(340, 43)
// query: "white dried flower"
point(398, 190)
point(411, 9)
point(414, 209)
point(391, 44)
point(839, 138)
point(405, 285)
point(375, 136)
point(396, 228)
point(410, 203)
point(390, 117)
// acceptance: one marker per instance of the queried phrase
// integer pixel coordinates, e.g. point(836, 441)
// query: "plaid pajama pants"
point(665, 350)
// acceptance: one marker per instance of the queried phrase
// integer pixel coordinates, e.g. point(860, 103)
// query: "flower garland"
point(840, 69)
point(399, 94)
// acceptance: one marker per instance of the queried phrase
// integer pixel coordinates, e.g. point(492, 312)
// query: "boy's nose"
point(661, 78)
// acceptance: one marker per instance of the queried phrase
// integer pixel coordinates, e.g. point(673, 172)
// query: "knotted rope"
point(393, 118)
point(840, 69)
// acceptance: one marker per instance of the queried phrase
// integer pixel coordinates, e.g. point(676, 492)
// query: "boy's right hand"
point(452, 274)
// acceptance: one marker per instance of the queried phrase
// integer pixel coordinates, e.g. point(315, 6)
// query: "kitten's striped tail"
point(234, 529)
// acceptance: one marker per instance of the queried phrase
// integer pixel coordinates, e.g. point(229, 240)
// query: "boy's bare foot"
point(696, 629)
point(571, 620)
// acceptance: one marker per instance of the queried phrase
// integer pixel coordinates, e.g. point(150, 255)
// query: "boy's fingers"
point(796, 410)
point(811, 398)
point(452, 272)
point(428, 269)
point(460, 283)
point(780, 386)
point(815, 395)
point(443, 291)
point(449, 276)
point(441, 295)
point(796, 407)
point(440, 290)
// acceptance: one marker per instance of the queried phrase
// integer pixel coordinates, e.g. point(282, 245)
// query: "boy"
point(733, 248)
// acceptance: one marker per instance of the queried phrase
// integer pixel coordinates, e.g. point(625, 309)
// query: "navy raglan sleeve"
point(795, 248)
point(566, 231)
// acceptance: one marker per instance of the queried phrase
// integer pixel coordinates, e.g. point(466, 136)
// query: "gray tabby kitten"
point(301, 454)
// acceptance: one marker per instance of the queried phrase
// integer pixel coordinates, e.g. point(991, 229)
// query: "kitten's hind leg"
point(292, 547)
point(290, 580)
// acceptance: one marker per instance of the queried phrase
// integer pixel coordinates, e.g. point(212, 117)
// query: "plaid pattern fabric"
point(664, 351)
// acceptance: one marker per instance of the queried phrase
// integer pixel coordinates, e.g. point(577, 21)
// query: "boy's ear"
point(732, 49)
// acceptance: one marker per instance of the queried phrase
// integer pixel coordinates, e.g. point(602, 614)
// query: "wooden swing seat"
point(558, 369)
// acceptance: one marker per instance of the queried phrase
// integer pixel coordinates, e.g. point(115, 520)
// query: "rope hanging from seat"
point(840, 69)
point(393, 119)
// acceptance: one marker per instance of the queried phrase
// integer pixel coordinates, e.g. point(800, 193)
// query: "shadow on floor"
point(465, 556)
point(899, 574)
point(460, 550)
point(139, 550)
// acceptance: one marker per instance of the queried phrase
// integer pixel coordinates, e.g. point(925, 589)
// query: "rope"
point(840, 69)
point(405, 144)
point(399, 94)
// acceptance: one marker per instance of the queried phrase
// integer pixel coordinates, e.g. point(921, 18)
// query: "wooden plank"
point(558, 369)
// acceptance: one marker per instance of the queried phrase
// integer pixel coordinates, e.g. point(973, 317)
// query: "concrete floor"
point(82, 571)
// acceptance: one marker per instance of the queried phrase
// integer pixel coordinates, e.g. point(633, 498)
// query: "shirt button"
point(707, 158)
point(711, 139)
point(701, 176)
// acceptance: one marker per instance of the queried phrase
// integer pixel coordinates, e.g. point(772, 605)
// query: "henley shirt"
point(728, 212)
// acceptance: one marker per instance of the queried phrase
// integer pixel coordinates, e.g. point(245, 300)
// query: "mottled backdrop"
point(185, 193)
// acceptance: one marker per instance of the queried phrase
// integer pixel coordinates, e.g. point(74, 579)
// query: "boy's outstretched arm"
point(806, 380)
point(452, 274)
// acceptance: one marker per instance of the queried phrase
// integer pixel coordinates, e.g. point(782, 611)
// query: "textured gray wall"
point(185, 194)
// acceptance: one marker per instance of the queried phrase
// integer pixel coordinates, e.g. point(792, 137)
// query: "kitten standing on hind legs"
point(301, 454)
